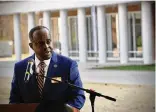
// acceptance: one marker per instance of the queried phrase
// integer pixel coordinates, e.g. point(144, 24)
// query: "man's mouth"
point(47, 52)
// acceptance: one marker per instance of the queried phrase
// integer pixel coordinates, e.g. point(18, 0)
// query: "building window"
point(92, 43)
point(55, 33)
point(73, 36)
point(134, 35)
point(112, 36)
point(135, 39)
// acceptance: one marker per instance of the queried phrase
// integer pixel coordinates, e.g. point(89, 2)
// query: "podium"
point(18, 107)
point(30, 107)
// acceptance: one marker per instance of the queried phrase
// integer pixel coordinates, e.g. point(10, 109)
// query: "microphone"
point(29, 70)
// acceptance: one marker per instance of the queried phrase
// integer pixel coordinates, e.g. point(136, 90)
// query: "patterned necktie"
point(40, 78)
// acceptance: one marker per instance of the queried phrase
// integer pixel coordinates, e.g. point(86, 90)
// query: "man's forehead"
point(41, 33)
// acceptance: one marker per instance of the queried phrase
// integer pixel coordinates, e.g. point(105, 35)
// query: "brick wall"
point(7, 32)
point(24, 32)
point(6, 28)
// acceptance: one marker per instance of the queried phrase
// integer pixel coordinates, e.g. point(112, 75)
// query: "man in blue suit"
point(50, 64)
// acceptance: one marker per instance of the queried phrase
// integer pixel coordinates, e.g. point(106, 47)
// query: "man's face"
point(41, 44)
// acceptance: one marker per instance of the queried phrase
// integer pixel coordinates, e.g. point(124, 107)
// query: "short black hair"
point(34, 29)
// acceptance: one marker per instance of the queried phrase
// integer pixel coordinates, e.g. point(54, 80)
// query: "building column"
point(147, 32)
point(101, 19)
point(123, 32)
point(94, 27)
point(82, 35)
point(47, 23)
point(47, 19)
point(64, 34)
point(31, 24)
point(17, 37)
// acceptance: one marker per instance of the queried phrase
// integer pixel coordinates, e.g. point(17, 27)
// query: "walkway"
point(98, 76)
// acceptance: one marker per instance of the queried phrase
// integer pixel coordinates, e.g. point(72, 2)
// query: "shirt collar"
point(37, 61)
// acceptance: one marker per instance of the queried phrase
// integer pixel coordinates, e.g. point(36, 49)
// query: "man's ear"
point(31, 46)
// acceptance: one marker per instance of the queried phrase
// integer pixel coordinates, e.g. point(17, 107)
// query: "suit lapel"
point(32, 86)
point(33, 83)
point(53, 66)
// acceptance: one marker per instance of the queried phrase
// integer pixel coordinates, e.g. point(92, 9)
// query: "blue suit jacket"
point(67, 69)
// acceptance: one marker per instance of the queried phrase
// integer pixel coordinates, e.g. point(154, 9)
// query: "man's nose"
point(46, 45)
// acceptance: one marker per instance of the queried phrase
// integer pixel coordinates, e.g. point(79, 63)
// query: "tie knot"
point(42, 64)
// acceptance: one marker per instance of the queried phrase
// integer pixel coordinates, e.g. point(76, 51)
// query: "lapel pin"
point(55, 66)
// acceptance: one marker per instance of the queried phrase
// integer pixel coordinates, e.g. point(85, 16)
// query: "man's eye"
point(48, 41)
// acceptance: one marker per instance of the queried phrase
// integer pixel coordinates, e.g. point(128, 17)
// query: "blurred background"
point(112, 41)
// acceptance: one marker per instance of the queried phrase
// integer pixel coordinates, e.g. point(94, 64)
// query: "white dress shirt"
point(37, 61)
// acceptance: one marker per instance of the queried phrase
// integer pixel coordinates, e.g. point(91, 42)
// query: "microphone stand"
point(92, 93)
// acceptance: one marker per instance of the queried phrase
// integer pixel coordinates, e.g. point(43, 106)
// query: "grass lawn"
point(130, 67)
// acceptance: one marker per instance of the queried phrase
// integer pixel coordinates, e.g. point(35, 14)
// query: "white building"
point(106, 31)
